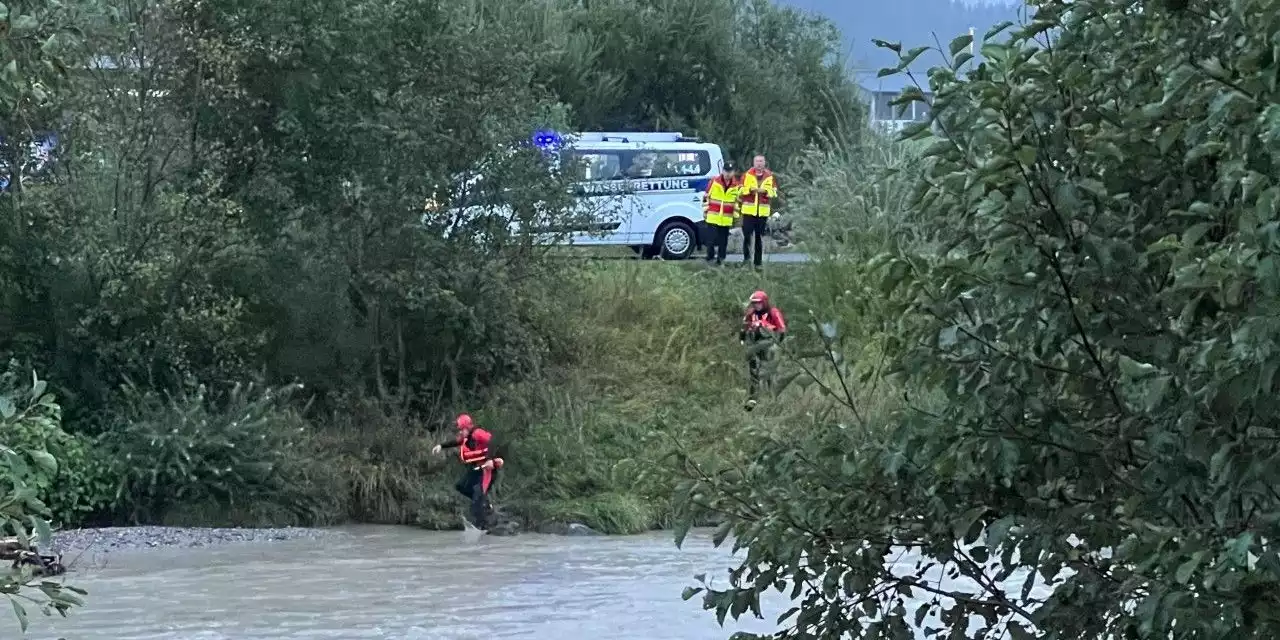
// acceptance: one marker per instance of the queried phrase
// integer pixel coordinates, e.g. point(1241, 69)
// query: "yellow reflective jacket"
point(757, 204)
point(721, 201)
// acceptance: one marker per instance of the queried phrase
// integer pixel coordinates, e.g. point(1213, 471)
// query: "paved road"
point(772, 257)
point(732, 258)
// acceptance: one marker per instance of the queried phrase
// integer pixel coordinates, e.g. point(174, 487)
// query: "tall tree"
point(1102, 332)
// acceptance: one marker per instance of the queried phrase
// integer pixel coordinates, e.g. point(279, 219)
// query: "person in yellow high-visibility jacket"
point(758, 190)
point(719, 211)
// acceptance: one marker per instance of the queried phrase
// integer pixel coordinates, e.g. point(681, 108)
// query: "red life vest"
point(474, 449)
point(768, 319)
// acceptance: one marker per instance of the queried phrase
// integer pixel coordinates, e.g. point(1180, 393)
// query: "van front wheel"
point(677, 240)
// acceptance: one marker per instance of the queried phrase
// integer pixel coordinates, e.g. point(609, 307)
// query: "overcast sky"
point(911, 22)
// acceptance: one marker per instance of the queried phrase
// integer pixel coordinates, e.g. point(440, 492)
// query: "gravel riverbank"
point(122, 538)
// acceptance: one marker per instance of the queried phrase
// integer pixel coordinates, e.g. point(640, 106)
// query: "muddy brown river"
point(401, 583)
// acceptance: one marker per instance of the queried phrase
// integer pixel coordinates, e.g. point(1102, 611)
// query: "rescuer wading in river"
point(764, 326)
point(475, 450)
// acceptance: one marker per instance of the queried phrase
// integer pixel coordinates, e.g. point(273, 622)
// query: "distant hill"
point(911, 22)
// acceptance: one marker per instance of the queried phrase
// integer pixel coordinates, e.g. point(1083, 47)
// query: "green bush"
point(26, 473)
point(387, 473)
point(247, 458)
point(81, 487)
point(1101, 327)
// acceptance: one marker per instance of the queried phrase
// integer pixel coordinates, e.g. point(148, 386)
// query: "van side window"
point(598, 165)
point(669, 164)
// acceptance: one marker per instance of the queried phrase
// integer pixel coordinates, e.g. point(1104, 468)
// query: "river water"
point(403, 583)
point(399, 583)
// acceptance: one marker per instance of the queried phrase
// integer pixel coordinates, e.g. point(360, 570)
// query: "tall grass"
point(857, 198)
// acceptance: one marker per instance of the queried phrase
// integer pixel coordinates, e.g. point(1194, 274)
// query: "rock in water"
point(504, 529)
point(567, 529)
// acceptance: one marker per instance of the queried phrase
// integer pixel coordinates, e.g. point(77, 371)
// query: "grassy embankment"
point(657, 362)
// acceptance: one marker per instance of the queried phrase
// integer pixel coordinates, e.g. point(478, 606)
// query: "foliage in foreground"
point(1102, 325)
point(25, 469)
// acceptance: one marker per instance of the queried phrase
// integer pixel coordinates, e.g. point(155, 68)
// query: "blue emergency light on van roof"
point(547, 140)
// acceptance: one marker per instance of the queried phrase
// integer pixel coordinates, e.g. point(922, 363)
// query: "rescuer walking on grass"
point(764, 327)
point(758, 190)
point(719, 212)
point(475, 450)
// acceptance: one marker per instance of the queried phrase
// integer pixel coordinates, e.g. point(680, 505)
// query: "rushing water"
point(407, 584)
point(402, 583)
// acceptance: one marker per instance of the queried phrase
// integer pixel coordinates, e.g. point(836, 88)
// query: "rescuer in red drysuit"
point(476, 451)
point(762, 321)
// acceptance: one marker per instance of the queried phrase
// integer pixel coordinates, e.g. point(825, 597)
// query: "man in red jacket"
point(762, 323)
point(475, 449)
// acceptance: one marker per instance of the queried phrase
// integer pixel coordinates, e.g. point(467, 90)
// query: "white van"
point(642, 190)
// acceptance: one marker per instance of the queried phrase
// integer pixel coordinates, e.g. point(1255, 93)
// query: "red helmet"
point(464, 421)
point(760, 296)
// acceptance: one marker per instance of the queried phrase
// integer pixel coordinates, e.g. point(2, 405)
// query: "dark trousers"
point(753, 230)
point(475, 485)
point(717, 240)
point(761, 351)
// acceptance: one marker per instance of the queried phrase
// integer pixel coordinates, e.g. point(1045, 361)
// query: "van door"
point(668, 184)
point(603, 210)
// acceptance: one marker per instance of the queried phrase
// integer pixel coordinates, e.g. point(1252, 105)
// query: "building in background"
point(878, 93)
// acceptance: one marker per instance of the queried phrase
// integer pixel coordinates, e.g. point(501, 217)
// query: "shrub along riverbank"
point(654, 364)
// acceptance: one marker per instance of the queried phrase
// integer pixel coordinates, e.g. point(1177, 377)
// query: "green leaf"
point(1178, 82)
point(965, 524)
point(1018, 632)
point(916, 131)
point(722, 532)
point(960, 43)
point(1218, 463)
point(21, 613)
point(996, 29)
point(1036, 28)
point(909, 94)
point(960, 60)
point(910, 56)
point(681, 531)
point(1155, 390)
point(884, 44)
point(7, 408)
point(1188, 568)
point(44, 535)
point(44, 461)
point(1167, 137)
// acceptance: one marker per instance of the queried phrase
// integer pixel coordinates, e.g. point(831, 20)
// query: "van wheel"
point(677, 240)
